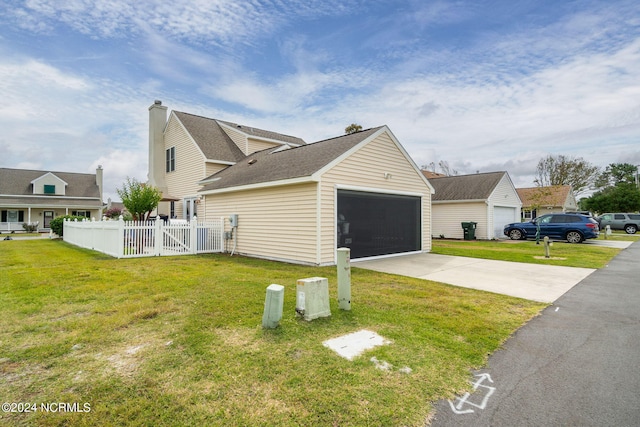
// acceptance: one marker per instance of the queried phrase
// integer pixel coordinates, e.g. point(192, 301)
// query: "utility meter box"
point(312, 298)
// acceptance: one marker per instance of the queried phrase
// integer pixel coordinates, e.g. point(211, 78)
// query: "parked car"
point(629, 222)
point(574, 228)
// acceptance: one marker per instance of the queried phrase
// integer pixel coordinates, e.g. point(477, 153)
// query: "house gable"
point(382, 136)
point(505, 193)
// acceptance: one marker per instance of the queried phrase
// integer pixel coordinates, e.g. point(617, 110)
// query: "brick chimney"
point(157, 123)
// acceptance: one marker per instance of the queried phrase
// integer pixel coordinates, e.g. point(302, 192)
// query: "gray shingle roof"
point(18, 182)
point(277, 164)
point(216, 144)
point(212, 140)
point(50, 201)
point(261, 133)
point(465, 187)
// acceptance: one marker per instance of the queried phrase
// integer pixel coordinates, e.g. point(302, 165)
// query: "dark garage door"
point(378, 224)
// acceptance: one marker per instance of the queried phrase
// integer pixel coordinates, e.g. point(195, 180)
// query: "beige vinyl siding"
point(190, 164)
point(258, 145)
point(238, 138)
point(211, 168)
point(274, 222)
point(367, 168)
point(447, 218)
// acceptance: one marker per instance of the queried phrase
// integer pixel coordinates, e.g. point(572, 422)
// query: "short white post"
point(121, 237)
point(158, 235)
point(607, 232)
point(344, 278)
point(312, 298)
point(546, 246)
point(193, 238)
point(273, 305)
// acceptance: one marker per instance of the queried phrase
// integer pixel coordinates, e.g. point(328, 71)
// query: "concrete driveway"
point(543, 283)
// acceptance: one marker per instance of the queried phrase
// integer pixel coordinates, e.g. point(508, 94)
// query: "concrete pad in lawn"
point(354, 344)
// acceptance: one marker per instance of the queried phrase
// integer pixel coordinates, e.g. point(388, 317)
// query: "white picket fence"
point(130, 239)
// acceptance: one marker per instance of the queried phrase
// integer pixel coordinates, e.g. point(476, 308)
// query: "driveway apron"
point(574, 365)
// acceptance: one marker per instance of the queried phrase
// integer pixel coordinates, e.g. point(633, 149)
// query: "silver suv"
point(628, 222)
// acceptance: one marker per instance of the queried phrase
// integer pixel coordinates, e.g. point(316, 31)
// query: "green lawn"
point(178, 341)
point(561, 253)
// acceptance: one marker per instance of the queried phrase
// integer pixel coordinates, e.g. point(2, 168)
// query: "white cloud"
point(199, 21)
point(118, 165)
point(571, 86)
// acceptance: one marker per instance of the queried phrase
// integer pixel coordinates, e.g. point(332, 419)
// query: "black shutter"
point(20, 216)
point(4, 216)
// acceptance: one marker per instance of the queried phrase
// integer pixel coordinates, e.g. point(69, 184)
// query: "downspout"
point(234, 232)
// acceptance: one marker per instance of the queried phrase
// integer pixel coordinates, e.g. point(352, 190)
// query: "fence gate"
point(176, 239)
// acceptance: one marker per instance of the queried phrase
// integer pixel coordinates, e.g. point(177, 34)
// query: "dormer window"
point(49, 184)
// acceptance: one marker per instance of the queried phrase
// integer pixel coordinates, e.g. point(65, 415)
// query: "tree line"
point(613, 189)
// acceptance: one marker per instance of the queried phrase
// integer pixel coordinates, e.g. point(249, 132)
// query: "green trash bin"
point(469, 229)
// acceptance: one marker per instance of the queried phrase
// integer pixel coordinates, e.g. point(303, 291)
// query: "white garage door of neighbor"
point(502, 216)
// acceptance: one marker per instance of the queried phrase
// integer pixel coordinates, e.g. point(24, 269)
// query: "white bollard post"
point(344, 278)
point(273, 305)
point(546, 246)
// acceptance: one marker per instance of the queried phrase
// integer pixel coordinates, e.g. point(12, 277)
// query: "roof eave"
point(438, 202)
point(259, 185)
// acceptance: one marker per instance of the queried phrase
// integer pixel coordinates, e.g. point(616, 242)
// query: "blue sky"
point(482, 85)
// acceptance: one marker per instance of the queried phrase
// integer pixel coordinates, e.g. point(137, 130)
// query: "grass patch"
point(178, 341)
point(620, 236)
point(573, 255)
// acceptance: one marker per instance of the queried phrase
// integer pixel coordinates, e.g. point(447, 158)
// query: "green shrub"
point(57, 226)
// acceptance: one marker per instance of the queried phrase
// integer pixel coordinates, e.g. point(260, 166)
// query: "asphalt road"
point(577, 364)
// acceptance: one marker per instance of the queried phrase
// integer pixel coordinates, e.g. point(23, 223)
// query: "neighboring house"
point(538, 201)
point(36, 197)
point(295, 202)
point(488, 199)
point(114, 206)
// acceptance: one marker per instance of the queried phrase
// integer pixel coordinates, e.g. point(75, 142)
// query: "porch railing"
point(14, 226)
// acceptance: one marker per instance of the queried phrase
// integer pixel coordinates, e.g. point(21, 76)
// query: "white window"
point(171, 159)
